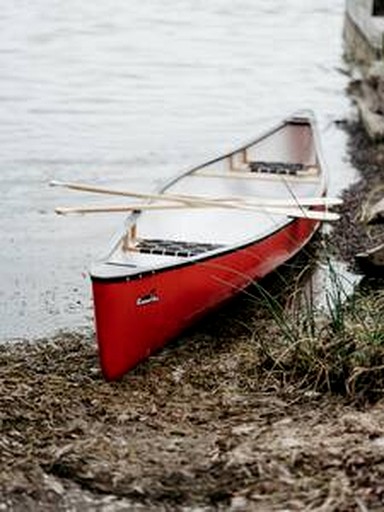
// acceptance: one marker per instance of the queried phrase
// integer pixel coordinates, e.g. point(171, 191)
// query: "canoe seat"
point(291, 169)
point(173, 248)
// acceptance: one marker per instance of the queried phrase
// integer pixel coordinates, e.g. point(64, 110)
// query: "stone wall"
point(358, 49)
point(364, 36)
point(365, 25)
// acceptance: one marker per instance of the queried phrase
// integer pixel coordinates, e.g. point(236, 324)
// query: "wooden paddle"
point(292, 212)
point(323, 216)
point(64, 210)
point(261, 201)
point(193, 199)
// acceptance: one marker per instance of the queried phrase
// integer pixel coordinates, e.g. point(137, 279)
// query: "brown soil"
point(191, 427)
point(203, 425)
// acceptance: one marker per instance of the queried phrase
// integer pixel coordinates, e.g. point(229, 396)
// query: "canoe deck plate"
point(291, 169)
point(173, 248)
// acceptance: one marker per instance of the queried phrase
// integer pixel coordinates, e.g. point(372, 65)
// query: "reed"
point(337, 349)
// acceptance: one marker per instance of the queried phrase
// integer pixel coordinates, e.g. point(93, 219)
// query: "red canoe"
point(171, 265)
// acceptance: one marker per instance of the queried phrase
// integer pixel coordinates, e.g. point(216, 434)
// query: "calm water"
point(129, 92)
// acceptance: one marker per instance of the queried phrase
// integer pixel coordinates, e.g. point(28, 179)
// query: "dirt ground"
point(191, 429)
point(201, 426)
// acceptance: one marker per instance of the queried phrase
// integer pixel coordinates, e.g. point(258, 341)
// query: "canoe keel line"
point(170, 267)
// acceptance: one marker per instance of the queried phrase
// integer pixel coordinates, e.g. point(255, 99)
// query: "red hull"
point(128, 332)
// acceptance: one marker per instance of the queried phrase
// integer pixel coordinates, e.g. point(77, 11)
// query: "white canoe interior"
point(283, 164)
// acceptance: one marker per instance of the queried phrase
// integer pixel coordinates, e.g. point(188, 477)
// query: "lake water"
point(128, 93)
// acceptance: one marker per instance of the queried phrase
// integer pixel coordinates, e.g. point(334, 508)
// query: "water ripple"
point(129, 92)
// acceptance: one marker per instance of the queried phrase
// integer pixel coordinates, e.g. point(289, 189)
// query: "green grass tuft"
point(338, 348)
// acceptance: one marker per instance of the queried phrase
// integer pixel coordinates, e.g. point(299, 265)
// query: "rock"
point(372, 261)
point(373, 123)
point(369, 95)
point(375, 214)
point(375, 81)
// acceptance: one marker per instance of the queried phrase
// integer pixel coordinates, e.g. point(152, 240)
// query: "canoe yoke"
point(172, 247)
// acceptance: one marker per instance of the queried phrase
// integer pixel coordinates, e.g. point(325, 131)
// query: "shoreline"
point(350, 233)
point(215, 421)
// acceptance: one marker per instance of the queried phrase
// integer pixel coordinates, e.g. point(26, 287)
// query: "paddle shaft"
point(188, 199)
point(118, 208)
point(292, 212)
point(195, 201)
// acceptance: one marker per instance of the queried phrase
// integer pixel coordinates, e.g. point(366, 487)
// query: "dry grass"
point(341, 352)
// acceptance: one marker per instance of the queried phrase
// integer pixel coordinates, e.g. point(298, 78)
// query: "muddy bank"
point(194, 426)
point(233, 416)
point(223, 419)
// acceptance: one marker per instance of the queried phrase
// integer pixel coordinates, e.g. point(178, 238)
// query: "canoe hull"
point(135, 318)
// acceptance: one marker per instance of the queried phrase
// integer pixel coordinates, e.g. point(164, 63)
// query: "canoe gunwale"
point(131, 275)
point(98, 270)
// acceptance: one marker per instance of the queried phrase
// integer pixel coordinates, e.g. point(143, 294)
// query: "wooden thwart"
point(247, 175)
